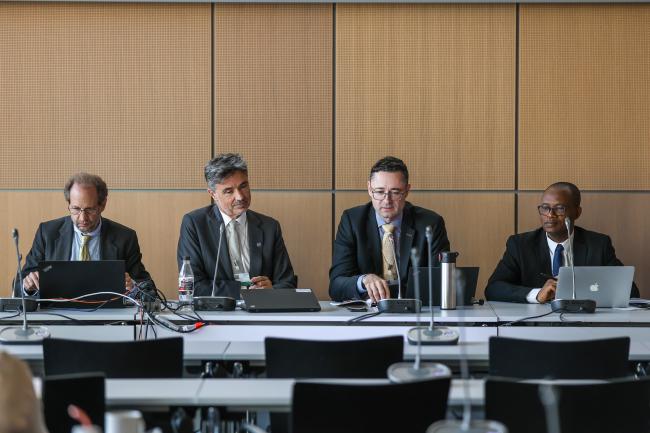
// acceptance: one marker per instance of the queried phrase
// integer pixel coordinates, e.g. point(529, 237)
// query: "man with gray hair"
point(252, 252)
point(84, 235)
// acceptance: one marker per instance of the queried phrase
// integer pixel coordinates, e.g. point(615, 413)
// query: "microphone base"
point(475, 426)
point(214, 303)
point(573, 306)
point(402, 306)
point(18, 335)
point(439, 335)
point(405, 372)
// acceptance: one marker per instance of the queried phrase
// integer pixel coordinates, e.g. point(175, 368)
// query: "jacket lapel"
point(407, 234)
point(374, 243)
point(580, 248)
point(63, 244)
point(214, 221)
point(108, 248)
point(543, 254)
point(255, 242)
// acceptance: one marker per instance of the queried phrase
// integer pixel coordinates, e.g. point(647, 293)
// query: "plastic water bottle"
point(186, 284)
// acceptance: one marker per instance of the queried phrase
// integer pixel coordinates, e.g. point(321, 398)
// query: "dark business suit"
point(357, 248)
point(199, 240)
point(527, 256)
point(53, 241)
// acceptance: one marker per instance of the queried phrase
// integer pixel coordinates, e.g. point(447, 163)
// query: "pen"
point(547, 276)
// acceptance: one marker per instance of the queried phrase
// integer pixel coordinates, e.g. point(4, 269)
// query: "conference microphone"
point(402, 372)
point(22, 334)
point(572, 305)
point(432, 334)
point(212, 302)
point(399, 305)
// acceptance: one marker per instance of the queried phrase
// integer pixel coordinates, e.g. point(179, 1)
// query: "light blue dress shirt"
point(93, 243)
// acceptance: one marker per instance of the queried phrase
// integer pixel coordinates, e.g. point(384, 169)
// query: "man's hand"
point(548, 291)
point(128, 282)
point(261, 282)
point(376, 287)
point(30, 282)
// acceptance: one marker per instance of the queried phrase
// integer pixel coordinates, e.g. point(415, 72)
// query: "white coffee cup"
point(124, 421)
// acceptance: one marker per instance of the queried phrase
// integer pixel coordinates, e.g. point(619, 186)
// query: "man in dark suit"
point(527, 271)
point(85, 235)
point(252, 248)
point(374, 241)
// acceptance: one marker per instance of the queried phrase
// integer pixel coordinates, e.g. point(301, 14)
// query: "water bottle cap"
point(186, 257)
point(448, 257)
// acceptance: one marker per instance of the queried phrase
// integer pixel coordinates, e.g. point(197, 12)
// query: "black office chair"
point(622, 405)
point(289, 358)
point(86, 390)
point(161, 358)
point(534, 359)
point(405, 408)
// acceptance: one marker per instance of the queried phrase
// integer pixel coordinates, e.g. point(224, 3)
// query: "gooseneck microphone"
point(22, 334)
point(215, 303)
point(399, 279)
point(569, 256)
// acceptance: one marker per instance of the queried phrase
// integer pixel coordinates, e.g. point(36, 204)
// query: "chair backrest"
point(86, 390)
point(404, 408)
point(535, 359)
point(161, 358)
point(622, 405)
point(288, 358)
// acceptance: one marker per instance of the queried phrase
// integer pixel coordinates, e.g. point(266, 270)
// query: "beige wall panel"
point(122, 90)
point(622, 216)
point(273, 91)
point(477, 224)
point(433, 84)
point(585, 96)
point(306, 220)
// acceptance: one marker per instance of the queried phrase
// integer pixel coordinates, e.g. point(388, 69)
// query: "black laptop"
point(468, 275)
point(279, 300)
point(70, 279)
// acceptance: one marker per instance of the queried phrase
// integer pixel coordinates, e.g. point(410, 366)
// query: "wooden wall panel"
point(478, 224)
point(433, 84)
point(273, 91)
point(156, 216)
point(585, 96)
point(121, 90)
point(306, 220)
point(624, 217)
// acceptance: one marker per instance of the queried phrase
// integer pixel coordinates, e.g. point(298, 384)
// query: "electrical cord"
point(528, 318)
point(362, 317)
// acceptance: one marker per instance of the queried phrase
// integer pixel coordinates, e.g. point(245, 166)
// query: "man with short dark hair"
point(252, 248)
point(373, 244)
point(529, 267)
point(84, 235)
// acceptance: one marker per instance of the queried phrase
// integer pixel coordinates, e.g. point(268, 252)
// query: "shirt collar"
point(91, 234)
point(226, 219)
point(552, 245)
point(397, 222)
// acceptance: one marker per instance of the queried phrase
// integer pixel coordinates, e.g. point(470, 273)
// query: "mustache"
point(240, 203)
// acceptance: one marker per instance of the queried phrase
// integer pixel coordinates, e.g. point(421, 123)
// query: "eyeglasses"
point(90, 211)
point(545, 209)
point(380, 194)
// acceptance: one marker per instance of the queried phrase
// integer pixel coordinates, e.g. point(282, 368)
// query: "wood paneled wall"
point(312, 94)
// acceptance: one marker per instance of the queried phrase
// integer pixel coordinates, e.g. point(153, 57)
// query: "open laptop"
point(279, 300)
point(70, 279)
point(469, 275)
point(609, 286)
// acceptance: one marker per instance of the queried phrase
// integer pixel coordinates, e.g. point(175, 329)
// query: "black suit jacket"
point(53, 241)
point(357, 247)
point(199, 239)
point(527, 256)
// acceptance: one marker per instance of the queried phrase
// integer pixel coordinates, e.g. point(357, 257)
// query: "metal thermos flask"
point(448, 280)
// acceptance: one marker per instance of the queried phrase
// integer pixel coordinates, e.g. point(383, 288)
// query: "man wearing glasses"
point(529, 267)
point(84, 235)
point(373, 243)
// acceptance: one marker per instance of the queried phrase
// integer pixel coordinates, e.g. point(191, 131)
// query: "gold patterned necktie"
point(84, 253)
point(234, 246)
point(388, 253)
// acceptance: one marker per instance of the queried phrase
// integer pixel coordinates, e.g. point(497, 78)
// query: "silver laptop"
point(609, 286)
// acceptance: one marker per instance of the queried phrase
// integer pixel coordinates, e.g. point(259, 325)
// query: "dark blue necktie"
point(557, 259)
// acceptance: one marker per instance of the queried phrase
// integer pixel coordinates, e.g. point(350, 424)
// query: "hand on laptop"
point(30, 282)
point(376, 287)
point(128, 282)
point(261, 282)
point(548, 291)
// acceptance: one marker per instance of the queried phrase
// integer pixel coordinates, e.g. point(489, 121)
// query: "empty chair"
point(405, 408)
point(288, 358)
point(535, 359)
point(161, 358)
point(622, 405)
point(86, 390)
